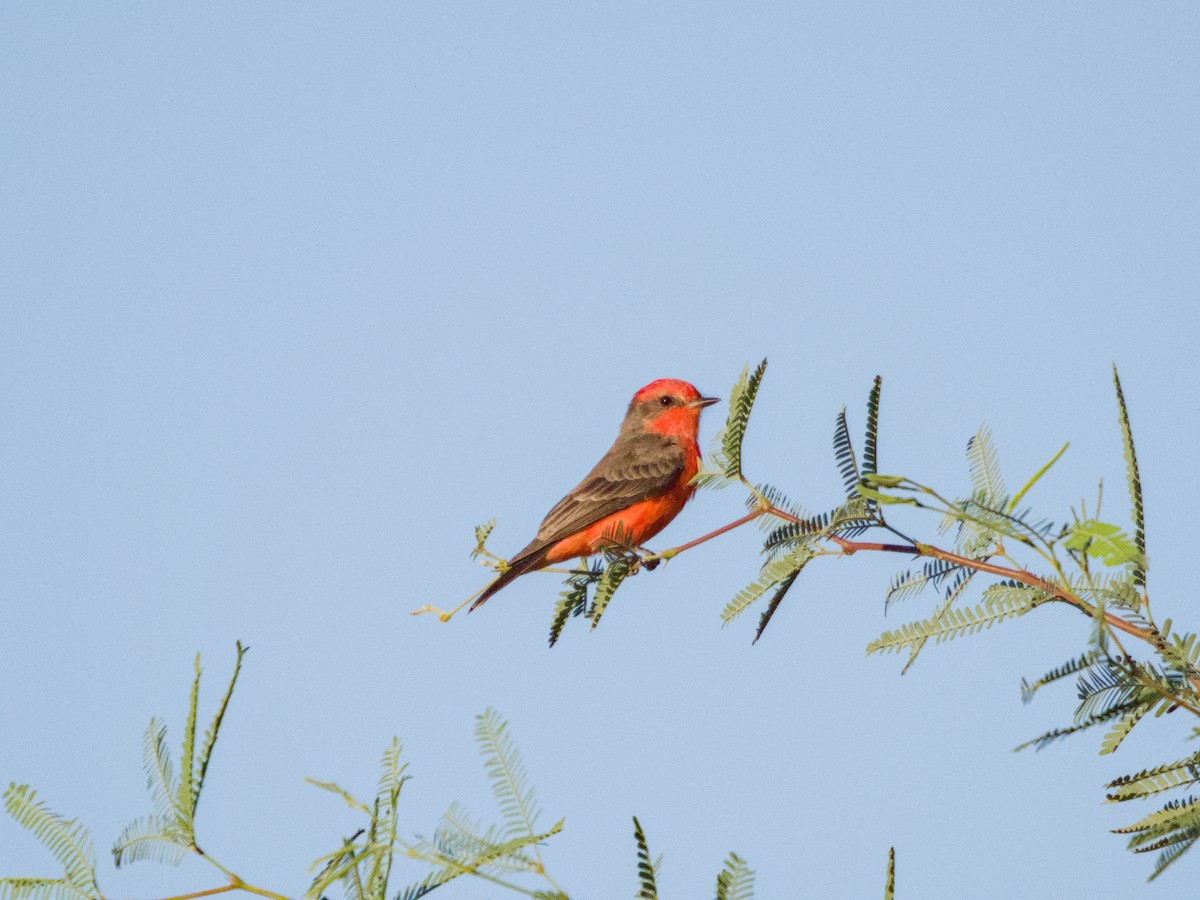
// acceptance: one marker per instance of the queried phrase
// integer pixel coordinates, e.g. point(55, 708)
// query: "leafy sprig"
point(68, 842)
point(1020, 559)
point(1088, 563)
point(169, 833)
point(361, 865)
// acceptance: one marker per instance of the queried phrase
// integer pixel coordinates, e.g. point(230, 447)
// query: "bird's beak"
point(702, 402)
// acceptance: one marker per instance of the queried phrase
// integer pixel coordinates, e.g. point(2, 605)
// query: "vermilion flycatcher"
point(638, 487)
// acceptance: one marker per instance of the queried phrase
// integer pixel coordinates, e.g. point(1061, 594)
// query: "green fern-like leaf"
point(1167, 684)
point(1182, 653)
point(509, 854)
point(465, 836)
point(164, 837)
point(155, 838)
point(170, 832)
point(843, 451)
point(1043, 741)
point(776, 599)
point(995, 519)
point(871, 442)
point(1185, 834)
point(1175, 815)
point(614, 573)
point(776, 498)
point(363, 864)
point(185, 787)
point(773, 573)
point(1120, 730)
point(214, 728)
point(357, 862)
point(462, 838)
point(959, 582)
point(727, 455)
point(980, 523)
point(37, 889)
point(427, 885)
point(1109, 686)
point(385, 821)
point(391, 773)
point(160, 776)
point(984, 464)
point(909, 583)
point(1070, 667)
point(500, 856)
point(67, 840)
point(1171, 832)
point(1170, 854)
point(784, 537)
point(392, 777)
point(711, 478)
point(1154, 781)
point(617, 542)
point(1134, 479)
point(1110, 589)
point(736, 880)
point(507, 773)
point(975, 535)
point(847, 521)
point(482, 533)
point(572, 601)
point(998, 605)
point(646, 869)
point(1104, 541)
point(341, 865)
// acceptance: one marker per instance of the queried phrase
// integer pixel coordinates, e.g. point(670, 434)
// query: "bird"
point(636, 489)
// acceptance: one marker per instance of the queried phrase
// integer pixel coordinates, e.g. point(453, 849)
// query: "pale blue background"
point(294, 296)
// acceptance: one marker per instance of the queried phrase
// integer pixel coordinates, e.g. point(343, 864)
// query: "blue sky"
point(296, 295)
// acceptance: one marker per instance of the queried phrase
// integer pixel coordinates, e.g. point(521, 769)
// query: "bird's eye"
point(666, 401)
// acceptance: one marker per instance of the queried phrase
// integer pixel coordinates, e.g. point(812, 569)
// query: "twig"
point(738, 523)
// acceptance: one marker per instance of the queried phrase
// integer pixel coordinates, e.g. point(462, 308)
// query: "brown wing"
point(639, 465)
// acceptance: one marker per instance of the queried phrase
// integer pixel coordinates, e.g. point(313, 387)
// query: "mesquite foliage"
point(993, 559)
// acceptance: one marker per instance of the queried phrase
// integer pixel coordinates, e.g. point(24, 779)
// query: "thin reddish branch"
point(1151, 637)
point(1023, 576)
point(738, 523)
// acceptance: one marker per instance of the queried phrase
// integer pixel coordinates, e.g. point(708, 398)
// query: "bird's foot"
point(651, 560)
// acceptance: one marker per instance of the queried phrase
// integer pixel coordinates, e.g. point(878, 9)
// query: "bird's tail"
point(523, 563)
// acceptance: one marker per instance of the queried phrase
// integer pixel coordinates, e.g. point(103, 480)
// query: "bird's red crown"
point(667, 386)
